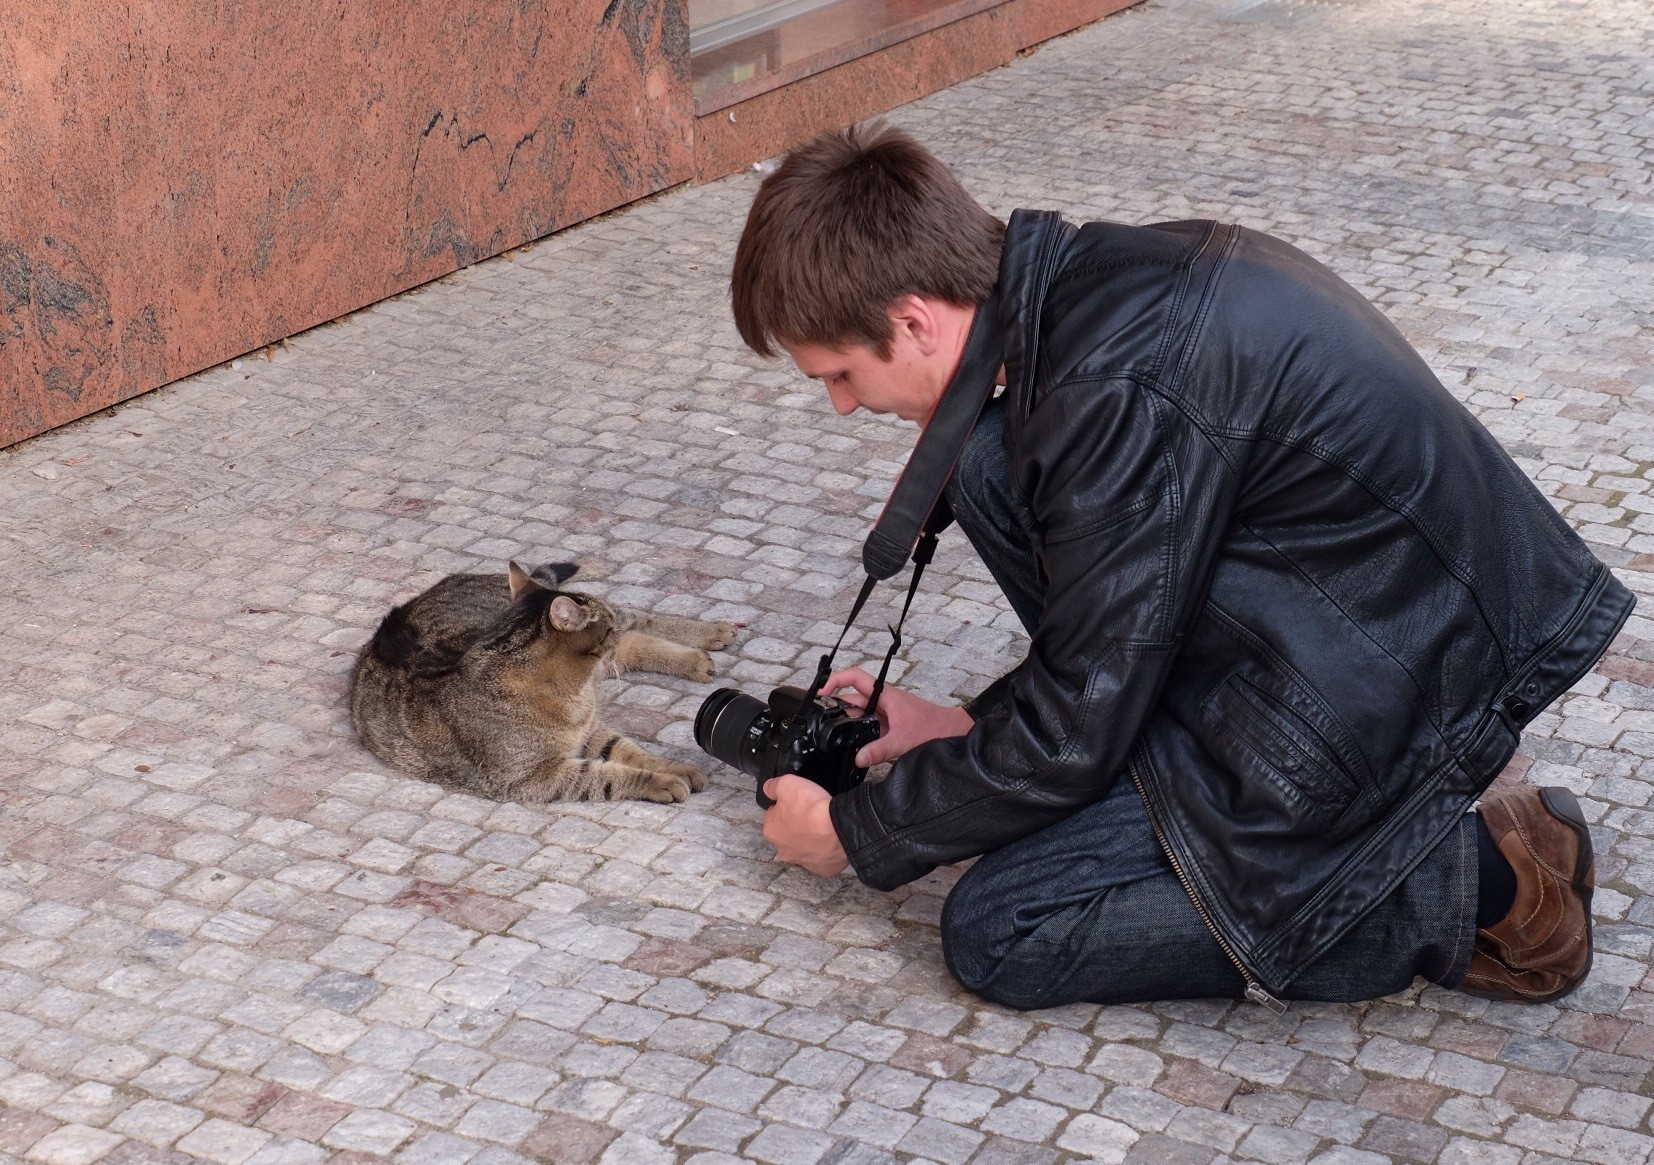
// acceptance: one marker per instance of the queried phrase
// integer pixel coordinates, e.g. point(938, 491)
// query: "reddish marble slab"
point(184, 182)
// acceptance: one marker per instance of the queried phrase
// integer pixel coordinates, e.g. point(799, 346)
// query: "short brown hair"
point(849, 223)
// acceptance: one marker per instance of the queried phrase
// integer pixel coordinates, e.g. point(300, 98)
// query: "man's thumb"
point(870, 755)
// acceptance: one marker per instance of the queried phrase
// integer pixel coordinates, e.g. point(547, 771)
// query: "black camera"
point(816, 738)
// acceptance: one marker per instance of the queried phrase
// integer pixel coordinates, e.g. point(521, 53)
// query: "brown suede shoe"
point(1541, 950)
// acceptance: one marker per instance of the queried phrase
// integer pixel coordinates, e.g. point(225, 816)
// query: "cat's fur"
point(489, 685)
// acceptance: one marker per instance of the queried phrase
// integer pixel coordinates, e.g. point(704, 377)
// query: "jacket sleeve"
point(1099, 466)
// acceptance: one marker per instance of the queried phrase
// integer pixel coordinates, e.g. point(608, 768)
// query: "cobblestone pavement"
point(229, 935)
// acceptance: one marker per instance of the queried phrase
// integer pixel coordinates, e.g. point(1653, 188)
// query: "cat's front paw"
point(696, 778)
point(668, 785)
point(700, 668)
point(716, 636)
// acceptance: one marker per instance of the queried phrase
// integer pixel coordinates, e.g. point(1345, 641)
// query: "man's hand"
point(800, 827)
point(905, 720)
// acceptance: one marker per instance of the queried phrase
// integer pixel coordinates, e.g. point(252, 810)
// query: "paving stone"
point(782, 1145)
point(240, 1098)
point(1341, 1122)
point(493, 1120)
point(1218, 1130)
point(1277, 1145)
point(367, 1131)
point(940, 1141)
point(892, 1087)
point(73, 1144)
point(1155, 1147)
point(650, 1115)
point(1002, 1151)
point(1404, 1139)
point(1140, 1108)
point(20, 1128)
point(518, 1083)
point(439, 1149)
point(175, 1078)
point(220, 1140)
point(870, 1124)
point(302, 1116)
point(138, 1153)
point(961, 1103)
point(588, 1099)
point(714, 1129)
point(286, 1152)
point(1097, 1138)
point(1007, 1072)
point(1412, 1099)
point(1126, 1064)
point(807, 1107)
point(1067, 1088)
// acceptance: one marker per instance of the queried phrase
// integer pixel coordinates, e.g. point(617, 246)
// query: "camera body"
point(814, 737)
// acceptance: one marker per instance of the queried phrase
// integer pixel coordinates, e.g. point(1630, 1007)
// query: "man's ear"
point(520, 581)
point(566, 614)
point(917, 317)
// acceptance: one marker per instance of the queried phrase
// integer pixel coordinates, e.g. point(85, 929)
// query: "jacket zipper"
point(1254, 990)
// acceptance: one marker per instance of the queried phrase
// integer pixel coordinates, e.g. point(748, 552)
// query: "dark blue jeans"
point(1089, 909)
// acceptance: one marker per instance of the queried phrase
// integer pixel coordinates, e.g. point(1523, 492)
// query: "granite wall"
point(182, 181)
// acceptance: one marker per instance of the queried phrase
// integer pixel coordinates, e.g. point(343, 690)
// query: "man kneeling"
point(1289, 604)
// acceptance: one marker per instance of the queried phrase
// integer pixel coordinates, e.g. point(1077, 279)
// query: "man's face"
point(907, 384)
point(927, 337)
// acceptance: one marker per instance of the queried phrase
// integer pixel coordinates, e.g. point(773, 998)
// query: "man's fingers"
point(775, 786)
point(799, 827)
point(875, 753)
point(789, 788)
point(850, 677)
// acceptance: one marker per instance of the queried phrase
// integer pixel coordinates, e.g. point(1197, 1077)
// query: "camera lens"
point(722, 724)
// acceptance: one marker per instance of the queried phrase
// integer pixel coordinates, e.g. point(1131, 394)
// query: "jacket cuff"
point(991, 699)
point(861, 833)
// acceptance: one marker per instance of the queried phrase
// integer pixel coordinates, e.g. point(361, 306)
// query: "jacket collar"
point(1035, 241)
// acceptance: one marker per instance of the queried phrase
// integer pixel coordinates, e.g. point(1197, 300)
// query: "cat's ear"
point(566, 614)
point(521, 581)
point(555, 574)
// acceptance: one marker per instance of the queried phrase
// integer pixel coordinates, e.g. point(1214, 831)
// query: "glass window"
point(733, 42)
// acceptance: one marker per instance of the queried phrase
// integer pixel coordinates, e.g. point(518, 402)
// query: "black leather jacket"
point(1294, 590)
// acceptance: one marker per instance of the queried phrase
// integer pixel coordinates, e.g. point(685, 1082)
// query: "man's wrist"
point(824, 823)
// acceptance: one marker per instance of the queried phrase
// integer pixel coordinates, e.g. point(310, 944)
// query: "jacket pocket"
point(1100, 522)
point(1270, 742)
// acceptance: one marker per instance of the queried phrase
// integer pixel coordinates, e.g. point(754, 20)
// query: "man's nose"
point(843, 403)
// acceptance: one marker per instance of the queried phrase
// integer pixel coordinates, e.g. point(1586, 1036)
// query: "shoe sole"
point(1564, 806)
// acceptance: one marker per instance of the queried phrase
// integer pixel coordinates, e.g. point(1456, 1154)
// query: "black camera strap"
point(917, 511)
point(911, 507)
point(922, 554)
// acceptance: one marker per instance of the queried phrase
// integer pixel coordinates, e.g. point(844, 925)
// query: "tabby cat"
point(490, 686)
